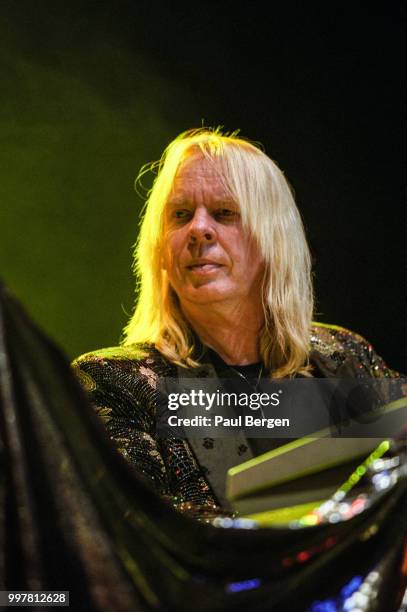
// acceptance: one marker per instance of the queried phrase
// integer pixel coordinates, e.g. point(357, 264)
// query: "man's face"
point(207, 255)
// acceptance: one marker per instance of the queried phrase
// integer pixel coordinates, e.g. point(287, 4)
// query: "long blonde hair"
point(269, 213)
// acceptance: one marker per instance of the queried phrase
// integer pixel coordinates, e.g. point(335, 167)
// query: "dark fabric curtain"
point(76, 517)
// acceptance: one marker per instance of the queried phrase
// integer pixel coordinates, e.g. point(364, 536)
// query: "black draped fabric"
point(76, 517)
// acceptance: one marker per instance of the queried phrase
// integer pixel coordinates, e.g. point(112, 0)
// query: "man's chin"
point(206, 298)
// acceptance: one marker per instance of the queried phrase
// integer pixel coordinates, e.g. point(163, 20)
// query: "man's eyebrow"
point(225, 202)
point(176, 201)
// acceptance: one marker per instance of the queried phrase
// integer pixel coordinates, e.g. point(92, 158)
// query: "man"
point(224, 291)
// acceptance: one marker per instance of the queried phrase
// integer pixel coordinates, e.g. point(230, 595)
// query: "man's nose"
point(201, 227)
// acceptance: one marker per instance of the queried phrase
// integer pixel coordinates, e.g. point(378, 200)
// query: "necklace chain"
point(255, 387)
point(246, 379)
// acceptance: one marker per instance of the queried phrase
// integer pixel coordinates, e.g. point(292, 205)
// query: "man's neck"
point(232, 330)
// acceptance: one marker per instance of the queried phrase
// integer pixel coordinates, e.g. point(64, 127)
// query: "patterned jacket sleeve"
point(356, 358)
point(362, 349)
point(339, 342)
point(124, 395)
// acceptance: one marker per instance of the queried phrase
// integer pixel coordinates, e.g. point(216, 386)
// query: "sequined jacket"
point(122, 386)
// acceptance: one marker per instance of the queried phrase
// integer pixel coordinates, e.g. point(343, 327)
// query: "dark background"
point(90, 91)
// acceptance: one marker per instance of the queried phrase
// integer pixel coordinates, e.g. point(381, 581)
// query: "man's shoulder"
point(340, 344)
point(121, 365)
point(131, 353)
point(329, 339)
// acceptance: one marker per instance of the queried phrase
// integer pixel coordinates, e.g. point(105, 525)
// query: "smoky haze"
point(92, 90)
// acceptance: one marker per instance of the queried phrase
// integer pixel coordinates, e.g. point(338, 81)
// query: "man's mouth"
point(204, 267)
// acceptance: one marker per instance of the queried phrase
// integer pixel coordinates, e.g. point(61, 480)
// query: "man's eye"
point(181, 214)
point(226, 213)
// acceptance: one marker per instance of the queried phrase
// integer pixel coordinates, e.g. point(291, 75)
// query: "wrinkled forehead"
point(197, 165)
point(197, 174)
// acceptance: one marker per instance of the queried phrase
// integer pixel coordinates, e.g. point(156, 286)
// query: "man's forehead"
point(202, 178)
point(196, 166)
